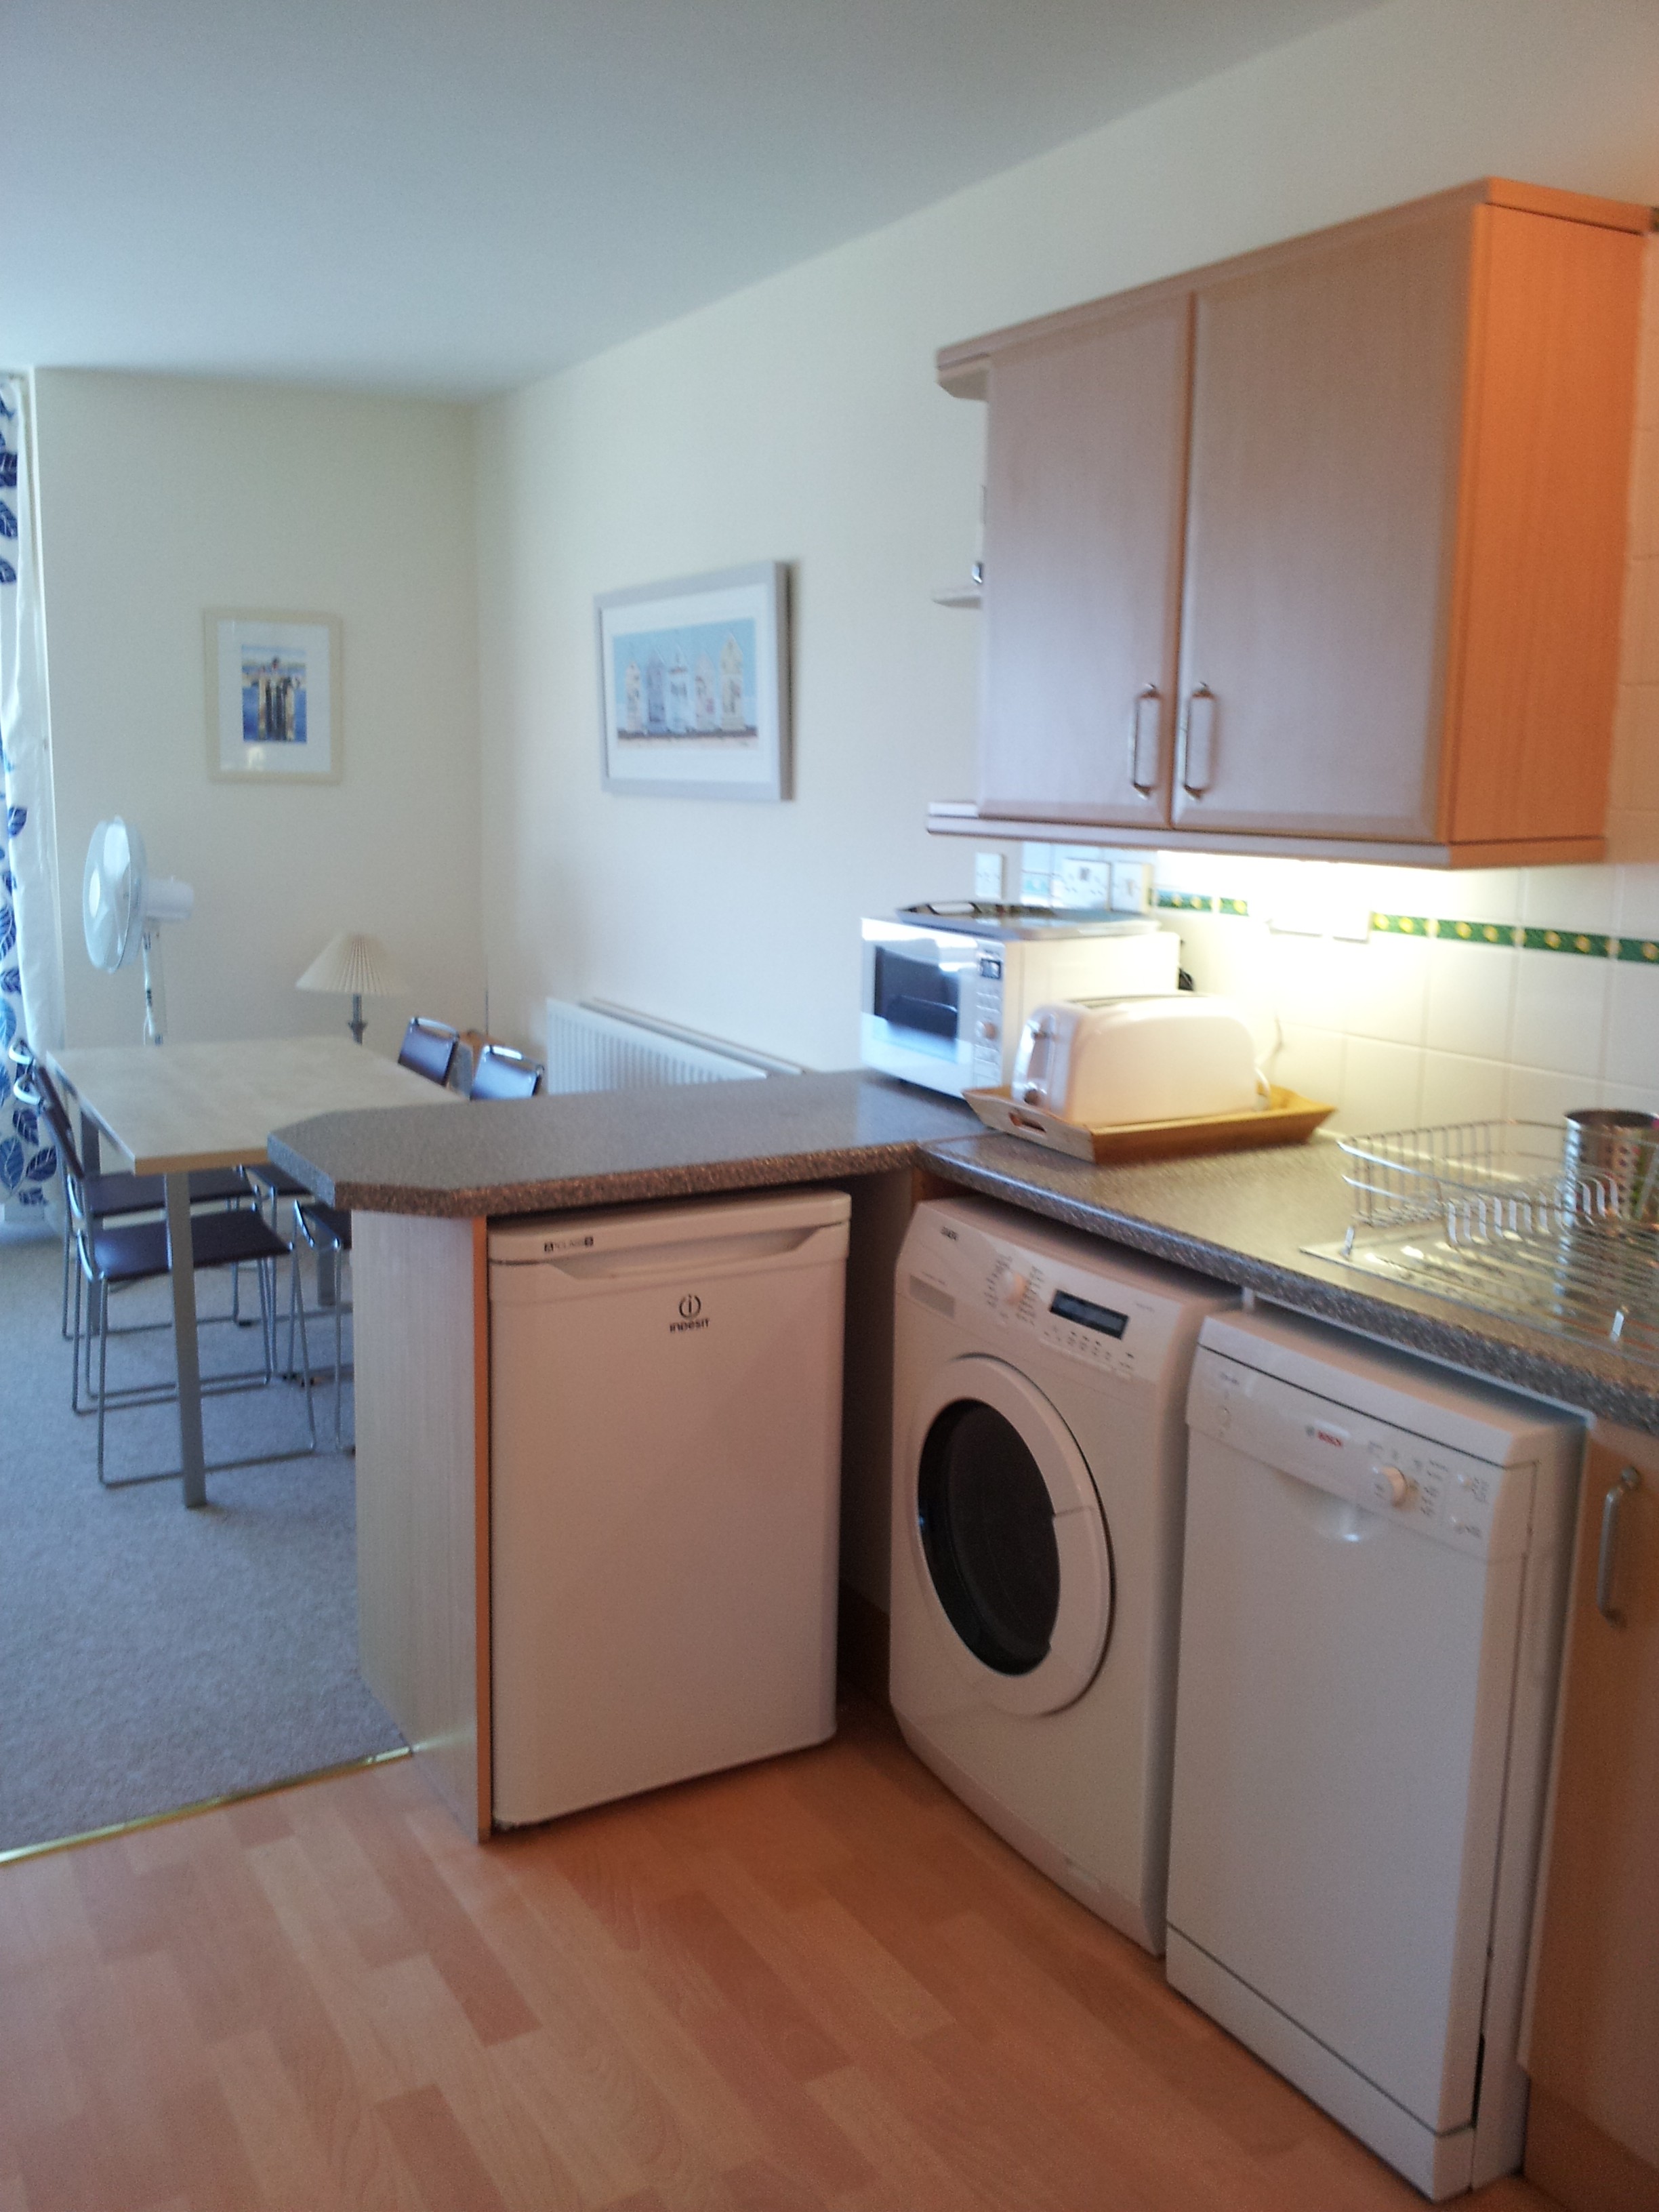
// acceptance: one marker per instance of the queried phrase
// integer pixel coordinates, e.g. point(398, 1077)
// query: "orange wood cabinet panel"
point(1593, 2045)
point(1326, 414)
point(1087, 472)
point(1406, 452)
point(421, 1292)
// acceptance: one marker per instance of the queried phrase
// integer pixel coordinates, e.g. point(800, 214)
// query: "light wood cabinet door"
point(1327, 420)
point(1084, 485)
point(1593, 2131)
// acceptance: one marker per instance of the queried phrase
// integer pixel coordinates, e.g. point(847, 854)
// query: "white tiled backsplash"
point(1480, 1013)
point(1477, 1013)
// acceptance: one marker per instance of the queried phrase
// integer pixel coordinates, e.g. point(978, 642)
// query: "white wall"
point(800, 421)
point(161, 497)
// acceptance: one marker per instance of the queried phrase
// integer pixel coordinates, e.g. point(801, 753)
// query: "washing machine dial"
point(1010, 1288)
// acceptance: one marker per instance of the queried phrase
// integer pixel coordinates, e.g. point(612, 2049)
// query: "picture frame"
point(273, 697)
point(694, 686)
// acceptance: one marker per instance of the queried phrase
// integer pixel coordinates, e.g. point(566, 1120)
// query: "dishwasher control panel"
point(1470, 1504)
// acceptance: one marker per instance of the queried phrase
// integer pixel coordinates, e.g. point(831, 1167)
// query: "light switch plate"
point(1132, 886)
point(987, 877)
point(1036, 875)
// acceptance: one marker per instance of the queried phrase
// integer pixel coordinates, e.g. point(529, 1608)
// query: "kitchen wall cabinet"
point(1593, 2047)
point(1322, 548)
point(1081, 626)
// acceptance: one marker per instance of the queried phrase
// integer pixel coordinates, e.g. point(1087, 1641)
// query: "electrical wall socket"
point(1083, 877)
point(987, 877)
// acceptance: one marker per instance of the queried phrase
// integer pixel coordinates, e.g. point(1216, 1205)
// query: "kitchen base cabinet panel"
point(1593, 2050)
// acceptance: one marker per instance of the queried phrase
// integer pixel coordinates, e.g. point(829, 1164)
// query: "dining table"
point(173, 1107)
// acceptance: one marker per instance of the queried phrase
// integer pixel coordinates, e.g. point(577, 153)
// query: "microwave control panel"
point(988, 1044)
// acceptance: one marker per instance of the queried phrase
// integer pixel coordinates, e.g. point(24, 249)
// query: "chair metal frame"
point(501, 1073)
point(118, 1258)
point(118, 1196)
point(429, 1048)
point(324, 1229)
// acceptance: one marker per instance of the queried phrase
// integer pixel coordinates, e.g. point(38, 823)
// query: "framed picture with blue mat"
point(273, 694)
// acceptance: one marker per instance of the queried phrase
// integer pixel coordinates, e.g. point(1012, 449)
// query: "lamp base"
point(357, 1024)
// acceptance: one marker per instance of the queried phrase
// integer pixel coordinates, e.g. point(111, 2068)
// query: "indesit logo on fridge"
point(692, 1316)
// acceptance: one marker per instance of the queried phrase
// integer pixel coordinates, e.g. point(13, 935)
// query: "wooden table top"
point(174, 1106)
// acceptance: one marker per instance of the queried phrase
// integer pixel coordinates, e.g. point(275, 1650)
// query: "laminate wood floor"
point(818, 1983)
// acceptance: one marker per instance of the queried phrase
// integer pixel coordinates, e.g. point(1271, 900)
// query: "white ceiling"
point(460, 196)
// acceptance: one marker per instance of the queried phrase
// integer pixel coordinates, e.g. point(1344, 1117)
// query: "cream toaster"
point(1102, 1061)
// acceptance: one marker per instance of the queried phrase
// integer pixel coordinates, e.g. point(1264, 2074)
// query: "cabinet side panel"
point(1327, 404)
point(417, 1487)
point(1593, 2044)
point(1085, 485)
point(1541, 561)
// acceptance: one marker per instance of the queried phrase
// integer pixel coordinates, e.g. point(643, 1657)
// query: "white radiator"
point(589, 1049)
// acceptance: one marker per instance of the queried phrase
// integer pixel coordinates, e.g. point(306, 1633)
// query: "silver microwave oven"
point(948, 987)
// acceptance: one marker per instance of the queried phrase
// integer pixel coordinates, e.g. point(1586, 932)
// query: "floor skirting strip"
point(202, 1805)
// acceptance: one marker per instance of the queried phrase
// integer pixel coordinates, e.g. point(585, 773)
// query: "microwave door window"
point(914, 995)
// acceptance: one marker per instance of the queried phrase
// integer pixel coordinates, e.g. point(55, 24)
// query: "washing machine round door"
point(1009, 1540)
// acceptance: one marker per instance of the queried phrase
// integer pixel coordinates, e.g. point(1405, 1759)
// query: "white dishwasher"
point(664, 1404)
point(1375, 1579)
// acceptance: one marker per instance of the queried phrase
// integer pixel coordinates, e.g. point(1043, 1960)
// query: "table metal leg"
point(180, 1262)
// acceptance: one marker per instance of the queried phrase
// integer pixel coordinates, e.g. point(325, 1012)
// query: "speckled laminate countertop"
point(1245, 1217)
point(608, 1148)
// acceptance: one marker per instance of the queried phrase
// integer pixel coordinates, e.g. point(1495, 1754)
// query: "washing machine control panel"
point(1114, 1327)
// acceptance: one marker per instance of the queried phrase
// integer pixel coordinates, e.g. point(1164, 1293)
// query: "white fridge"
point(665, 1484)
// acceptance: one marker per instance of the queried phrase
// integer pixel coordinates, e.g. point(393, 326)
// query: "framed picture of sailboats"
point(694, 686)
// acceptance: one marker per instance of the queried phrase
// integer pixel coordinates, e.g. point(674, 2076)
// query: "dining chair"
point(112, 1258)
point(326, 1231)
point(503, 1073)
point(429, 1048)
point(120, 1195)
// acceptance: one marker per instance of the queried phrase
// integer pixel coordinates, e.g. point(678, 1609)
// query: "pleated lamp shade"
point(358, 967)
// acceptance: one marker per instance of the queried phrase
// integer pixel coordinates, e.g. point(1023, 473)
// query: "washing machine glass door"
point(1010, 1541)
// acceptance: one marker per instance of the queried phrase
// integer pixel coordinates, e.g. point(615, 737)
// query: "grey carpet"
point(150, 1656)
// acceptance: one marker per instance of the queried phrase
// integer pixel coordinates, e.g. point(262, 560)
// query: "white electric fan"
point(122, 907)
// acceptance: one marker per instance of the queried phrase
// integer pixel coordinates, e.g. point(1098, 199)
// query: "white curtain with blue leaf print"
point(31, 947)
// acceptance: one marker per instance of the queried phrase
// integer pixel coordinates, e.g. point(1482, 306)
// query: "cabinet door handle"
point(1606, 1559)
point(1146, 716)
point(1198, 741)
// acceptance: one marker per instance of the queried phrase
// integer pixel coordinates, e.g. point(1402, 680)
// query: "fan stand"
point(155, 995)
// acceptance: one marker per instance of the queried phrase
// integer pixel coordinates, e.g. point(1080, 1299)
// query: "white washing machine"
point(1040, 1387)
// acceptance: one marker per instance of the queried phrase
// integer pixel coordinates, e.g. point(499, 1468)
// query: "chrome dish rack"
point(1485, 1213)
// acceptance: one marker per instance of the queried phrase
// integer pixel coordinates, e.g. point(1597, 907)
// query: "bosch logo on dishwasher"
point(692, 1316)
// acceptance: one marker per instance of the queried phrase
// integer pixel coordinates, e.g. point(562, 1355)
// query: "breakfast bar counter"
point(421, 1185)
point(615, 1147)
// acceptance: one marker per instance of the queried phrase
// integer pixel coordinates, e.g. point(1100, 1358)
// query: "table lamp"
point(360, 966)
